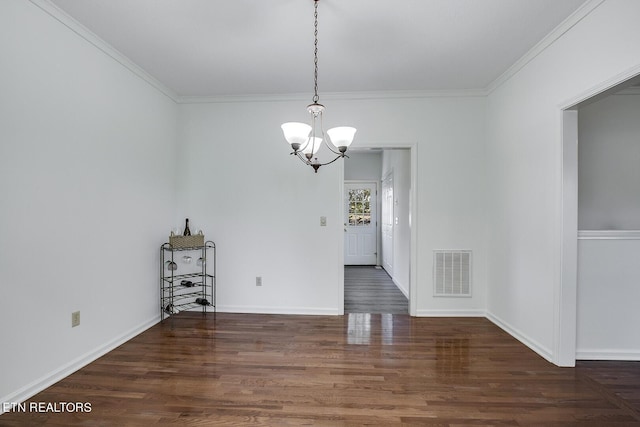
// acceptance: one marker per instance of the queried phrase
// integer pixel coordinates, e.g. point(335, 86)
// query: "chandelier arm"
point(302, 158)
point(313, 136)
point(304, 146)
point(325, 138)
point(328, 145)
point(329, 162)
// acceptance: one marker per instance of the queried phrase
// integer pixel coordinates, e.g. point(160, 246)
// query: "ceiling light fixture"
point(306, 140)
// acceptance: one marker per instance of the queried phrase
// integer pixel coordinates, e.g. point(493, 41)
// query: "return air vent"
point(452, 273)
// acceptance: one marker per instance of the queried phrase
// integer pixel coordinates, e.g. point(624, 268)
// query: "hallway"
point(370, 290)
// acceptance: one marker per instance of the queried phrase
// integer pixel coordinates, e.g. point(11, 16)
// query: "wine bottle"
point(187, 232)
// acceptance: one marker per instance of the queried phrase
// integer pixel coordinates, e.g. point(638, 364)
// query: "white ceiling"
point(252, 47)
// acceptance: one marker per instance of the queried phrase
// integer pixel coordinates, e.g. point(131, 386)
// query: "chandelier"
point(306, 140)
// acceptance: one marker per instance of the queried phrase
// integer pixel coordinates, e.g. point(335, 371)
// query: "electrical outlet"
point(258, 280)
point(75, 319)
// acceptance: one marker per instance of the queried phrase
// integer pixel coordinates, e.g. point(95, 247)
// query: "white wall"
point(524, 154)
point(363, 166)
point(608, 159)
point(399, 162)
point(263, 207)
point(87, 172)
point(608, 295)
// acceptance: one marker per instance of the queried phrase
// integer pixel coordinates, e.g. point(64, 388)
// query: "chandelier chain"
point(315, 53)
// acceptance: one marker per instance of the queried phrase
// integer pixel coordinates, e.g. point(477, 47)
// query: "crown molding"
point(222, 99)
point(342, 96)
point(61, 16)
point(573, 19)
point(71, 23)
point(82, 31)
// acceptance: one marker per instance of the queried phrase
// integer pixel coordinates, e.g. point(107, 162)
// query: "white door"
point(360, 219)
point(386, 223)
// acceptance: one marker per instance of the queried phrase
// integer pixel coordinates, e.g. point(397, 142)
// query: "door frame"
point(377, 184)
point(566, 289)
point(413, 221)
point(385, 178)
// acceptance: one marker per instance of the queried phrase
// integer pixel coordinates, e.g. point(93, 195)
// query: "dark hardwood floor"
point(370, 290)
point(358, 369)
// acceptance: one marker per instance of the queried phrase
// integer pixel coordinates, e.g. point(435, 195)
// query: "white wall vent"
point(452, 273)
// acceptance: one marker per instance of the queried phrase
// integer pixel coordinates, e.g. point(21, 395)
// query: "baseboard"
point(608, 354)
point(523, 338)
point(450, 313)
point(64, 371)
point(404, 291)
point(309, 311)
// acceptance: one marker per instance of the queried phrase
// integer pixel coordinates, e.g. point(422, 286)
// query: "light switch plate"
point(75, 319)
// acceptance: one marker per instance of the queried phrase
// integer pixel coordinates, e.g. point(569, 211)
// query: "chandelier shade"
point(306, 140)
point(312, 146)
point(341, 136)
point(296, 133)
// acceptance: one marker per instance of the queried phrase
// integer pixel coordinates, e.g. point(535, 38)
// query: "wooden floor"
point(358, 369)
point(370, 290)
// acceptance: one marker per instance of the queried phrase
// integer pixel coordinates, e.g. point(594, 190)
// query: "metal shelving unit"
point(194, 287)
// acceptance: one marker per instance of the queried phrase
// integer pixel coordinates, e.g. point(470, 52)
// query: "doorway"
point(367, 286)
point(566, 294)
point(360, 223)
